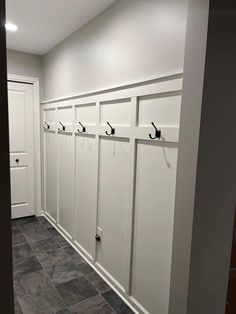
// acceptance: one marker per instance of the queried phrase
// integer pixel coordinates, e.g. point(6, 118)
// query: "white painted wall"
point(20, 63)
point(196, 38)
point(132, 40)
point(215, 196)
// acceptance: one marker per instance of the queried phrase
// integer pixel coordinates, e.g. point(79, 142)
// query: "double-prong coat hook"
point(112, 130)
point(47, 127)
point(63, 127)
point(83, 128)
point(157, 133)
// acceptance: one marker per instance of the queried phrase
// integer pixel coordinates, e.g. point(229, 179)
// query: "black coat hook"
point(63, 127)
point(157, 133)
point(112, 130)
point(47, 126)
point(83, 128)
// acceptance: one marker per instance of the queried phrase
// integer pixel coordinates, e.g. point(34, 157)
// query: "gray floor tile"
point(63, 272)
point(78, 259)
point(26, 265)
point(31, 283)
point(53, 231)
point(44, 246)
point(21, 221)
point(76, 290)
point(70, 250)
point(13, 223)
point(17, 307)
point(116, 303)
point(100, 285)
point(36, 234)
point(15, 229)
point(58, 265)
point(61, 241)
point(34, 230)
point(53, 257)
point(43, 221)
point(95, 305)
point(30, 226)
point(18, 239)
point(74, 255)
point(84, 268)
point(21, 251)
point(44, 302)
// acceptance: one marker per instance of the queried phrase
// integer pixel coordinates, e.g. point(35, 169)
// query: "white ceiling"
point(45, 23)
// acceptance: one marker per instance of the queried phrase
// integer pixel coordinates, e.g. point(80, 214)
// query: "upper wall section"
point(25, 64)
point(131, 41)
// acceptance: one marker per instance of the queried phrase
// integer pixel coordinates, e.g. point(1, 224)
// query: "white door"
point(21, 128)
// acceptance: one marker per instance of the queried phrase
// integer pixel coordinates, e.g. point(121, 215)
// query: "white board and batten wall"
point(119, 186)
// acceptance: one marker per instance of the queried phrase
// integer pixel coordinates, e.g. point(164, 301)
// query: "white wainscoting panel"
point(50, 164)
point(66, 169)
point(86, 184)
point(154, 217)
point(109, 171)
point(86, 114)
point(163, 109)
point(117, 112)
point(113, 205)
point(66, 182)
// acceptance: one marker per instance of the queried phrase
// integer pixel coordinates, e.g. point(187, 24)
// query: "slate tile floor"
point(51, 277)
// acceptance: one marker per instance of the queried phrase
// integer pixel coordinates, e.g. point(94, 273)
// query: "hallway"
point(51, 277)
point(118, 167)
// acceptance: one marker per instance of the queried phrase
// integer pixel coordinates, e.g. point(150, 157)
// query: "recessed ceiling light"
point(11, 27)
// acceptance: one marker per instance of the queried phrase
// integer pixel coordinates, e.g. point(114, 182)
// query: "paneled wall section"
point(110, 163)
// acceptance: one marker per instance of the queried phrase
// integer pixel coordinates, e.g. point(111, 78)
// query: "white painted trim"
point(130, 214)
point(37, 142)
point(166, 76)
point(95, 248)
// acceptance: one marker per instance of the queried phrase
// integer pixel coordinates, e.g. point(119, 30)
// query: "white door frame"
point(37, 146)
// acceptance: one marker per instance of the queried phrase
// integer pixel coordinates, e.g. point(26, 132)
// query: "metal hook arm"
point(83, 128)
point(47, 126)
point(112, 130)
point(63, 127)
point(157, 133)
